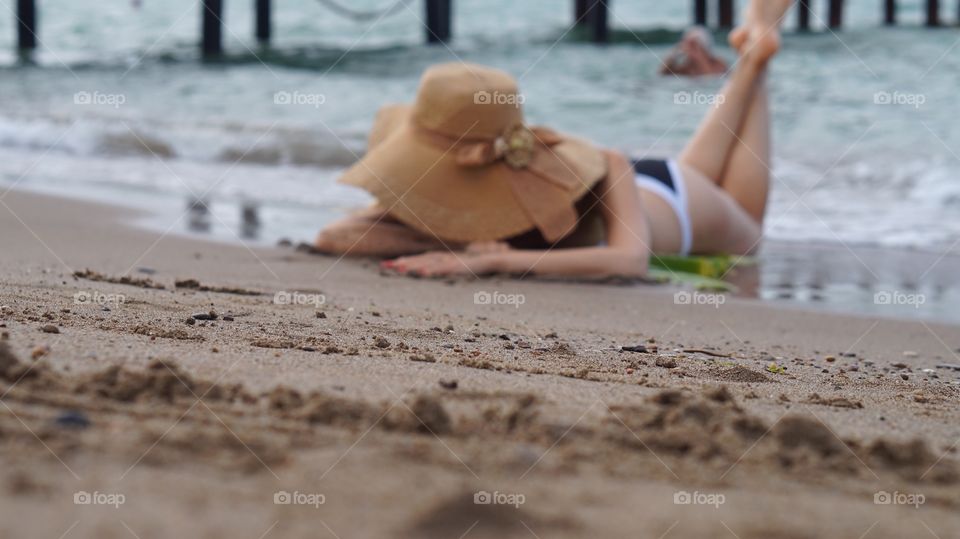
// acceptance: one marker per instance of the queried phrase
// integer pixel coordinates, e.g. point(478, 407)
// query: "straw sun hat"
point(461, 165)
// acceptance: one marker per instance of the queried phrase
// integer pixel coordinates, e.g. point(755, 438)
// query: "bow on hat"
point(539, 178)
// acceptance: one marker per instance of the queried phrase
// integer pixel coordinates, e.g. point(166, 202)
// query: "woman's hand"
point(441, 264)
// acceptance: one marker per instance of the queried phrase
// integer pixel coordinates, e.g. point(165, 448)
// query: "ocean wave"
point(119, 136)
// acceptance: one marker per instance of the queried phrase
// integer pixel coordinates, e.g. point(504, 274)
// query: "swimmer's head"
point(699, 35)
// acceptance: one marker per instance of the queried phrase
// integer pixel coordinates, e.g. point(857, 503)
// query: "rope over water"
point(363, 15)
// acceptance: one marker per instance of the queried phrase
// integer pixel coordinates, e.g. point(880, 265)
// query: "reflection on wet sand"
point(198, 215)
point(874, 281)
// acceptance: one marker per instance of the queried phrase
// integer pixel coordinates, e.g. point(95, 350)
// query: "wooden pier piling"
point(726, 14)
point(26, 24)
point(212, 40)
point(836, 14)
point(581, 14)
point(700, 12)
point(263, 24)
point(890, 12)
point(803, 15)
point(599, 14)
point(933, 13)
point(439, 20)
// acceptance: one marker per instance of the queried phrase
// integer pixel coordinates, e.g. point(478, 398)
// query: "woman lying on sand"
point(464, 187)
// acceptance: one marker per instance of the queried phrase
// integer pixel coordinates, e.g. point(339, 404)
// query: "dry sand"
point(397, 401)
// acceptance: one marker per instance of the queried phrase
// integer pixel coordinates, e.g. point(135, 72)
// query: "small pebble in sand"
point(73, 420)
point(381, 342)
point(830, 359)
point(189, 321)
point(227, 318)
point(638, 348)
point(212, 315)
point(50, 328)
point(905, 376)
point(666, 362)
point(449, 384)
point(321, 314)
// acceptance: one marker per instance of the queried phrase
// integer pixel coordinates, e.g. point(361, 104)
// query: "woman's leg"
point(711, 146)
point(747, 173)
point(732, 145)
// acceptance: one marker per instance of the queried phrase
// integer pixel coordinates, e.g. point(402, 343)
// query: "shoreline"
point(816, 276)
point(406, 399)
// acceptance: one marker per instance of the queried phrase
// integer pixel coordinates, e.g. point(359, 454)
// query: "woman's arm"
point(372, 232)
point(626, 253)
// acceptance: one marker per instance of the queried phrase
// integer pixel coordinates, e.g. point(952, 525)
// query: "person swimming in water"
point(464, 187)
point(693, 56)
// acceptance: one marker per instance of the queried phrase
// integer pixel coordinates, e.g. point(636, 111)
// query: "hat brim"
point(425, 188)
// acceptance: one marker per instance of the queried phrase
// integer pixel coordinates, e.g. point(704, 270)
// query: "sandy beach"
point(162, 386)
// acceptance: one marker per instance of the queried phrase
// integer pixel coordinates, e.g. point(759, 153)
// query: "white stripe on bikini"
point(676, 199)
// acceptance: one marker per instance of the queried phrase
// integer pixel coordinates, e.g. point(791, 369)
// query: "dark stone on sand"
point(73, 419)
point(205, 316)
point(321, 314)
point(449, 384)
point(228, 318)
point(638, 348)
point(50, 328)
point(190, 321)
point(381, 342)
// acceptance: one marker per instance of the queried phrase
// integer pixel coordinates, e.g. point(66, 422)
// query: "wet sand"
point(186, 388)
